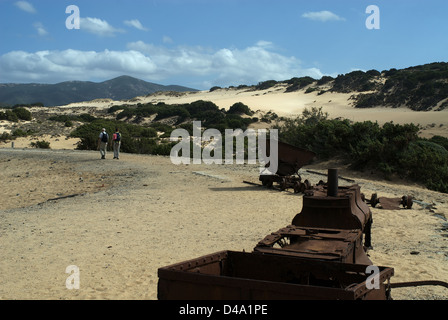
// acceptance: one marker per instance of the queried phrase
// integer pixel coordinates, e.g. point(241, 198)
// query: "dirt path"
point(122, 220)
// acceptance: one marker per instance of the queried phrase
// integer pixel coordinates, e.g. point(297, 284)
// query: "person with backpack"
point(116, 143)
point(103, 140)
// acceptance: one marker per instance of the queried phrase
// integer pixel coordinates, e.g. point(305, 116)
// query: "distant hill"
point(63, 93)
point(420, 88)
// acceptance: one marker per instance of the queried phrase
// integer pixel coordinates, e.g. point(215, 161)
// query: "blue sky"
point(205, 43)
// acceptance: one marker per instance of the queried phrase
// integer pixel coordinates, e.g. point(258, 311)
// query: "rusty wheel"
point(406, 202)
point(297, 188)
point(409, 202)
point(307, 185)
point(283, 184)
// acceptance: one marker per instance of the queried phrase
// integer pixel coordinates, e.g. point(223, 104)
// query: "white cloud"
point(40, 29)
point(322, 16)
point(167, 39)
point(265, 44)
point(223, 67)
point(54, 66)
point(136, 24)
point(25, 6)
point(99, 27)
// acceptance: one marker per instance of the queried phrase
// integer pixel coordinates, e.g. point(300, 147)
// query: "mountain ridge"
point(66, 92)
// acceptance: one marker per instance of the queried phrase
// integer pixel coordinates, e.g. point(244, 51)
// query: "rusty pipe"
point(332, 186)
point(419, 283)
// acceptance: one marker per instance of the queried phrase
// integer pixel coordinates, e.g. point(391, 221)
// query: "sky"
point(205, 43)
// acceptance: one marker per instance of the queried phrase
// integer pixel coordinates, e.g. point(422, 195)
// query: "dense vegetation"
point(205, 111)
point(135, 138)
point(418, 88)
point(16, 114)
point(391, 149)
point(144, 139)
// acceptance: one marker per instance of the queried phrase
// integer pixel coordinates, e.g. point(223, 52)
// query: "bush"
point(426, 162)
point(9, 116)
point(41, 144)
point(265, 85)
point(135, 139)
point(442, 141)
point(324, 80)
point(6, 136)
point(298, 83)
point(19, 133)
point(391, 149)
point(22, 113)
point(85, 117)
point(240, 108)
point(214, 88)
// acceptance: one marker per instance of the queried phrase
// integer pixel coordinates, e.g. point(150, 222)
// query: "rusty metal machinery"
point(290, 160)
point(231, 275)
point(330, 226)
point(322, 254)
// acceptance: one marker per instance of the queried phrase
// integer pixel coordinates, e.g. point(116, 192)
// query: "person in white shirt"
point(103, 141)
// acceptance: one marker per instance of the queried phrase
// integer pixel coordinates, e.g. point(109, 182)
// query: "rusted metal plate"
point(404, 202)
point(323, 244)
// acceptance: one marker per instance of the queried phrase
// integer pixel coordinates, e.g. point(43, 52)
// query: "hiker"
point(103, 140)
point(116, 143)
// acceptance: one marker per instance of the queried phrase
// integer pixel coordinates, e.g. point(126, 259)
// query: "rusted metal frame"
point(298, 264)
point(302, 253)
point(312, 234)
point(181, 273)
point(250, 288)
point(237, 285)
point(204, 260)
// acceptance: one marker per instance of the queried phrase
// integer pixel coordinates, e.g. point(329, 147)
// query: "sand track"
point(140, 213)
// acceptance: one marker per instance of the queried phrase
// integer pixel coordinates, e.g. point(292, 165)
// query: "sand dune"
point(292, 104)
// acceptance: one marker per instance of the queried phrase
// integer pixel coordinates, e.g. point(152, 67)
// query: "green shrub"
point(9, 116)
point(298, 83)
point(85, 117)
point(19, 133)
point(41, 144)
point(426, 162)
point(135, 139)
point(324, 80)
point(240, 108)
point(22, 113)
point(6, 136)
point(440, 141)
point(391, 149)
point(265, 85)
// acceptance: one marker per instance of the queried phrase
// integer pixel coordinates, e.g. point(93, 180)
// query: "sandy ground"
point(119, 221)
point(129, 217)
